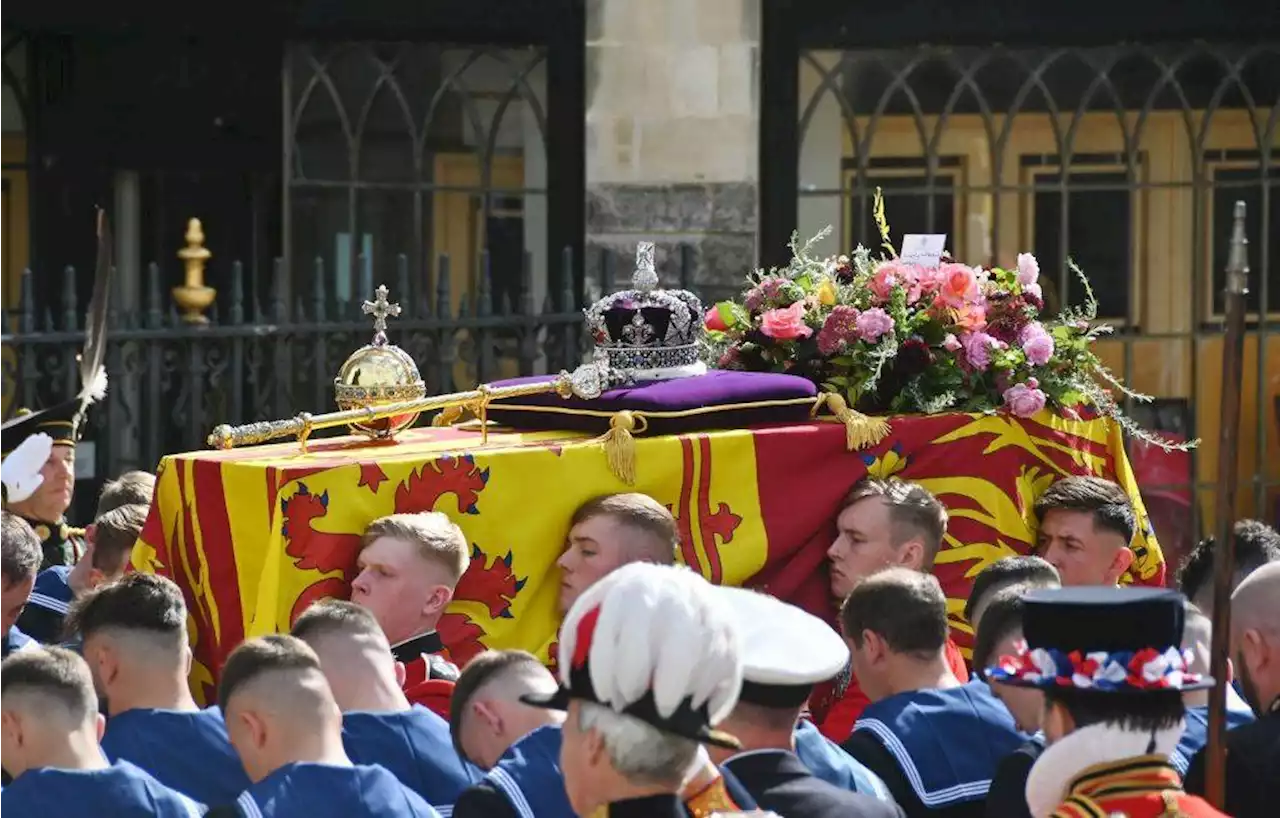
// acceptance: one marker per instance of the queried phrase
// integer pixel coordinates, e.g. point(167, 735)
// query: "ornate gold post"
point(193, 297)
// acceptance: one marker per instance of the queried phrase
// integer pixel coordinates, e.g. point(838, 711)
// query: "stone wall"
point(672, 124)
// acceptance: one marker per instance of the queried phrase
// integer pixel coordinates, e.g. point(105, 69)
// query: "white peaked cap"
point(663, 647)
point(784, 645)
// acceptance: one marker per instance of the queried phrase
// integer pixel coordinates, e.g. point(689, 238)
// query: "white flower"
point(1028, 269)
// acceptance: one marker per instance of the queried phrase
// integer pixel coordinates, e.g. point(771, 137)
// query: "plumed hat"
point(1103, 639)
point(656, 643)
point(64, 423)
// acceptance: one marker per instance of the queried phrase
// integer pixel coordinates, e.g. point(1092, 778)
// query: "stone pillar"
point(672, 135)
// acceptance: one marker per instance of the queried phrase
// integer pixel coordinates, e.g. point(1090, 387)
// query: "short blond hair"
point(438, 539)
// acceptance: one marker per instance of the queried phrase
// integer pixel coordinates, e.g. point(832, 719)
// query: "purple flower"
point(874, 323)
point(1024, 399)
point(1037, 344)
point(977, 349)
point(1028, 269)
point(839, 329)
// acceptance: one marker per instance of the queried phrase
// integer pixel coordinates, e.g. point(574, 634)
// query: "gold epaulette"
point(72, 531)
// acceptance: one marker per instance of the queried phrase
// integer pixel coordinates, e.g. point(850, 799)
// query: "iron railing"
point(171, 381)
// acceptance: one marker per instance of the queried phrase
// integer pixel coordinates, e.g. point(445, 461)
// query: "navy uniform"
point(207, 768)
point(1007, 797)
point(415, 746)
point(937, 750)
point(786, 653)
point(47, 608)
point(120, 791)
point(525, 783)
point(1098, 642)
point(1253, 757)
point(310, 790)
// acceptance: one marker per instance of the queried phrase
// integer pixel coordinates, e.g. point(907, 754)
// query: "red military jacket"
point(428, 676)
point(1141, 787)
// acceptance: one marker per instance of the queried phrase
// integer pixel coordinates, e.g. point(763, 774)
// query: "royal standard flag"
point(255, 535)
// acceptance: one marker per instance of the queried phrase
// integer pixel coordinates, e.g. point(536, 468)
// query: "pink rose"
point(951, 343)
point(1028, 269)
point(977, 349)
point(786, 324)
point(874, 323)
point(958, 285)
point(714, 321)
point(1037, 344)
point(893, 275)
point(1024, 399)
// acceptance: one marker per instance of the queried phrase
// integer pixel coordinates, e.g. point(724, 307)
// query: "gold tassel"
point(620, 444)
point(860, 431)
point(447, 416)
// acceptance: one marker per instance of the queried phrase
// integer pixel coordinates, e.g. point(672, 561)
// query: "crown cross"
point(645, 278)
point(381, 310)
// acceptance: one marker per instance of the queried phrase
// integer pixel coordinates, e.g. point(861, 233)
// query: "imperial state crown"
point(647, 333)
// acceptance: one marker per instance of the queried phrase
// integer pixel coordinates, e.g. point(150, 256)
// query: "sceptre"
point(1235, 291)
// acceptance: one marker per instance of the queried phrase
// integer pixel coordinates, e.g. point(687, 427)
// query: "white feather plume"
point(20, 470)
point(96, 389)
point(661, 628)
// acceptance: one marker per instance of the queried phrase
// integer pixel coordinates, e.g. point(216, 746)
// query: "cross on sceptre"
point(381, 310)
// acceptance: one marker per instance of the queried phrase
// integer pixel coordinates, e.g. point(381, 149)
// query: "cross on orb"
point(381, 310)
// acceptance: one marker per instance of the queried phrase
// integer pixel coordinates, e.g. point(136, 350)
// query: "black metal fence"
point(171, 382)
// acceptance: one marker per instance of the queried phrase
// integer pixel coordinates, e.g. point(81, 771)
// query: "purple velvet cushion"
point(720, 399)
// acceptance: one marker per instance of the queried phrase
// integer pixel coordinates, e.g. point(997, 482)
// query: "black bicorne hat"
point(1103, 639)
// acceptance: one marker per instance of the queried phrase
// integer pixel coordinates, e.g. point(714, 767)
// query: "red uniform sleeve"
point(956, 659)
point(433, 694)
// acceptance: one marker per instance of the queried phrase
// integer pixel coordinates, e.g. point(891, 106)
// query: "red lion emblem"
point(495, 586)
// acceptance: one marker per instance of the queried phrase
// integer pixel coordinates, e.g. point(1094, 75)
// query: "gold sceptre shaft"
point(584, 382)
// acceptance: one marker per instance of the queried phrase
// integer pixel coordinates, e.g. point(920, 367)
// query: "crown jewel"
point(648, 333)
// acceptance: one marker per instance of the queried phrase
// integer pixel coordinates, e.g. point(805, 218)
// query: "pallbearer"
point(1110, 663)
point(379, 725)
point(50, 746)
point(650, 662)
point(287, 728)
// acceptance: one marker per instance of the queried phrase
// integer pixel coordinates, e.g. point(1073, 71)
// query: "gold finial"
point(381, 310)
point(193, 296)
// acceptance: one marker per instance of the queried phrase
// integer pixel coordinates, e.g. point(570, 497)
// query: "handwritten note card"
point(923, 249)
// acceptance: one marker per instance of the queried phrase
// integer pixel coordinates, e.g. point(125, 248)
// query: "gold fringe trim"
point(860, 431)
point(620, 444)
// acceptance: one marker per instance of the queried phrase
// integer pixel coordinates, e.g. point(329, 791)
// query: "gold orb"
point(374, 376)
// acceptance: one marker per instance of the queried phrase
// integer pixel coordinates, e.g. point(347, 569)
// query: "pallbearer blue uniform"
point(15, 640)
point(936, 750)
point(119, 791)
point(414, 745)
point(786, 653)
point(51, 598)
point(188, 751)
point(307, 790)
point(526, 782)
point(1196, 733)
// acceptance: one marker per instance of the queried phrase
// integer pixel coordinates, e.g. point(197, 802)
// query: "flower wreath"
point(1142, 670)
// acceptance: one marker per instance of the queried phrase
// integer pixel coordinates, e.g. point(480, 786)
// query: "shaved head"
point(1255, 635)
point(354, 655)
point(486, 714)
point(278, 705)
